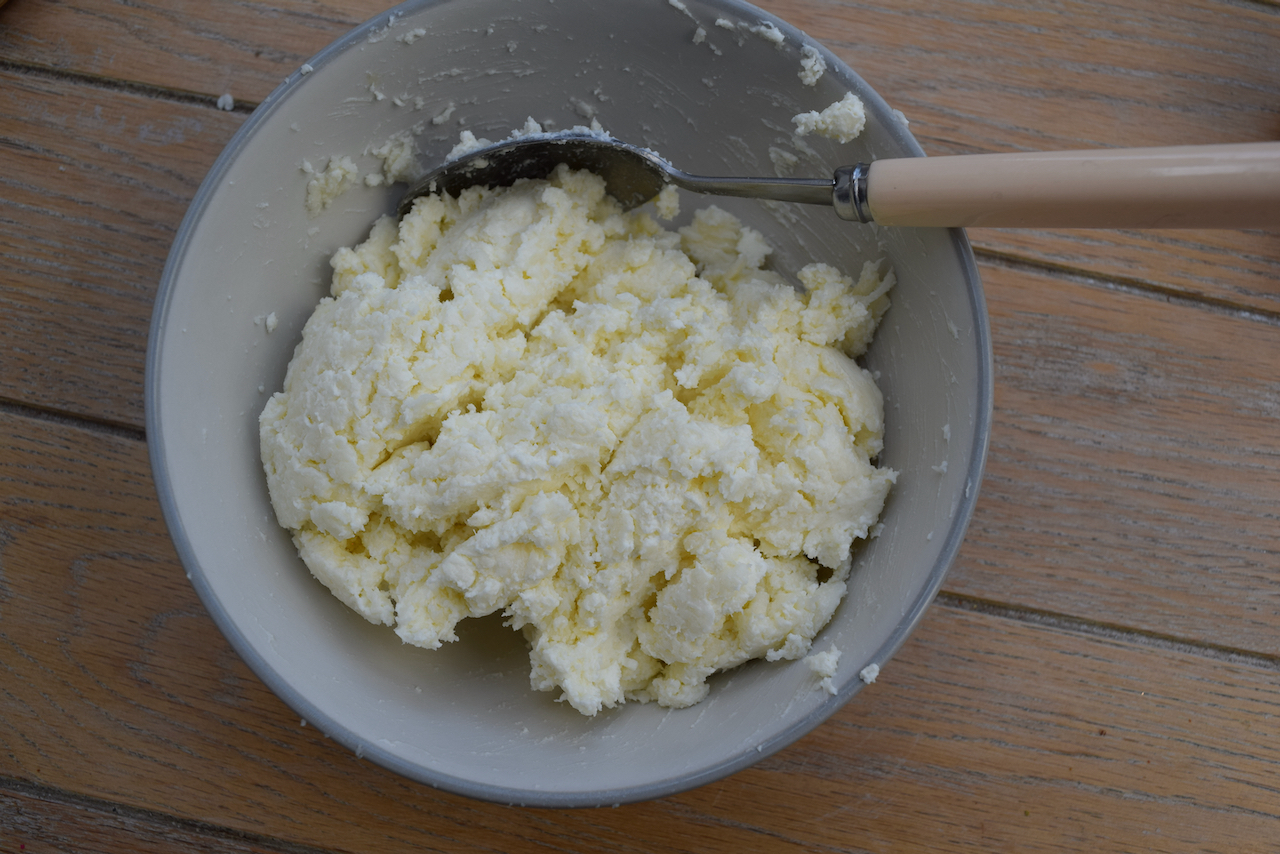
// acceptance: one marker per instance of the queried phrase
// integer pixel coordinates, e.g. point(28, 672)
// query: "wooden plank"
point(42, 822)
point(985, 732)
point(210, 47)
point(93, 186)
point(1230, 268)
point(1134, 466)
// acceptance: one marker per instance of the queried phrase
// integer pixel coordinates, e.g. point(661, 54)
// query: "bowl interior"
point(464, 717)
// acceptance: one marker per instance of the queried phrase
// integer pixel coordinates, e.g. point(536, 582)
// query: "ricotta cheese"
point(647, 450)
point(842, 121)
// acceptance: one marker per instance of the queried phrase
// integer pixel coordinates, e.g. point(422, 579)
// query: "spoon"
point(1211, 186)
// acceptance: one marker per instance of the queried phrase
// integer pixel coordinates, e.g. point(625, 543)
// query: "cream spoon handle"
point(1204, 186)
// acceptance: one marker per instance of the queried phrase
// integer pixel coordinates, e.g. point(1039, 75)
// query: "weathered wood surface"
point(1103, 669)
point(1133, 475)
point(94, 182)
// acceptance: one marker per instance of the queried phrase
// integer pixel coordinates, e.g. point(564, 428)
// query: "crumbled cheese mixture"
point(648, 451)
point(842, 121)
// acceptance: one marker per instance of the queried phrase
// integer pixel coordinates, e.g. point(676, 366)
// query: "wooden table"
point(1100, 672)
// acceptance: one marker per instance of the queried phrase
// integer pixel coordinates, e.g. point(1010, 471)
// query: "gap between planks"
point(101, 426)
point(1107, 631)
point(116, 84)
point(1128, 285)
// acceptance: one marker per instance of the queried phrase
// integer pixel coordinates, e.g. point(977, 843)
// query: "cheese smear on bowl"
point(645, 449)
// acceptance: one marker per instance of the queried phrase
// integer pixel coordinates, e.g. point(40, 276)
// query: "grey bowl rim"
point(448, 782)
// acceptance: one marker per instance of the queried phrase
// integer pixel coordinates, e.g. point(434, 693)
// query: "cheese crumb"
point(226, 102)
point(869, 673)
point(842, 121)
point(769, 33)
point(824, 665)
point(339, 175)
point(648, 451)
point(399, 156)
point(812, 65)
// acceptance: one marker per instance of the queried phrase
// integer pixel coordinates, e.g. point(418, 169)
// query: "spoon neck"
point(812, 191)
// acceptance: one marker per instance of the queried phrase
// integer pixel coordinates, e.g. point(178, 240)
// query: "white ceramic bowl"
point(464, 717)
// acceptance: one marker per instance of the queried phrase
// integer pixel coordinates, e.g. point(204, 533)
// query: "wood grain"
point(1230, 269)
point(210, 47)
point(93, 186)
point(37, 821)
point(1134, 467)
point(117, 685)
